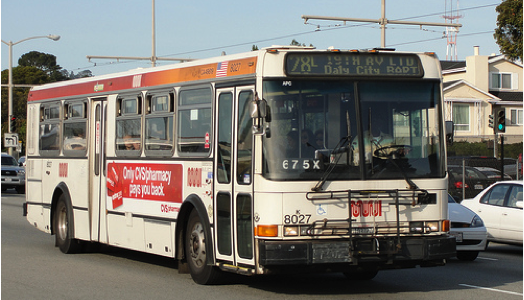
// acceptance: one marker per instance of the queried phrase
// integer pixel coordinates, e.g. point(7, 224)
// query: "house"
point(474, 88)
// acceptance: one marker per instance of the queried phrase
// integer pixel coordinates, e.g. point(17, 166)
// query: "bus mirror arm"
point(258, 108)
point(450, 131)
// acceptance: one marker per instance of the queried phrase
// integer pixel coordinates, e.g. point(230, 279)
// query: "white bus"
point(250, 163)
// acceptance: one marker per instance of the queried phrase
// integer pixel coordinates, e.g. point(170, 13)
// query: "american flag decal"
point(222, 69)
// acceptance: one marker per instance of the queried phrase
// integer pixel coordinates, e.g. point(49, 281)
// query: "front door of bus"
point(233, 196)
point(97, 174)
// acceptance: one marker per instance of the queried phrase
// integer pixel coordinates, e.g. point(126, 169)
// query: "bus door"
point(233, 198)
point(97, 172)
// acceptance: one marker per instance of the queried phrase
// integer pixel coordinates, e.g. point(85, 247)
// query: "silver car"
point(469, 230)
point(13, 176)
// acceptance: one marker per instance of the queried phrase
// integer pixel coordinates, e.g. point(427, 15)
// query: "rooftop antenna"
point(451, 17)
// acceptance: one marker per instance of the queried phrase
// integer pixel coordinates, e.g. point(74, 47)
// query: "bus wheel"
point(366, 274)
point(196, 255)
point(62, 222)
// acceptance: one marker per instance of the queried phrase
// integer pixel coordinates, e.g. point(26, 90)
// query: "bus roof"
point(218, 67)
point(221, 67)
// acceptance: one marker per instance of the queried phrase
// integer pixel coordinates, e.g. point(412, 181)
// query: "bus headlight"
point(291, 230)
point(432, 226)
point(416, 227)
point(424, 227)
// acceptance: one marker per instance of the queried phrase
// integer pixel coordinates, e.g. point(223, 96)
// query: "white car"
point(500, 207)
point(468, 229)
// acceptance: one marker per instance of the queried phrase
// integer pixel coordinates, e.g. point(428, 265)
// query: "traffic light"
point(491, 122)
point(500, 120)
point(12, 124)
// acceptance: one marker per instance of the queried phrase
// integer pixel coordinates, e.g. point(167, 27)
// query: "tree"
point(508, 34)
point(43, 61)
point(295, 43)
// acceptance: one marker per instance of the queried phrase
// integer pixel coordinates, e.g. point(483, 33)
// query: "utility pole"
point(153, 58)
point(383, 21)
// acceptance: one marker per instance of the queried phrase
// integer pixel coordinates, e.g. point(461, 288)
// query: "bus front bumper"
point(383, 252)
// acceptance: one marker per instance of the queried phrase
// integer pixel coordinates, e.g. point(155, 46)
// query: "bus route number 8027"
point(301, 164)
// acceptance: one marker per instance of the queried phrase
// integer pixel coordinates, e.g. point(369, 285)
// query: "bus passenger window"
point(159, 124)
point(75, 128)
point(129, 127)
point(159, 132)
point(194, 122)
point(128, 134)
point(50, 129)
point(75, 136)
point(49, 136)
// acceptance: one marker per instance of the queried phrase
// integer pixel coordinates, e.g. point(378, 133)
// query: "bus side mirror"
point(450, 131)
point(258, 108)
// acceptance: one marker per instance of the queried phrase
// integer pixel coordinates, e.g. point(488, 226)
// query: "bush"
point(481, 149)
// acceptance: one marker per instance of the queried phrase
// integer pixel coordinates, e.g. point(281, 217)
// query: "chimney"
point(477, 70)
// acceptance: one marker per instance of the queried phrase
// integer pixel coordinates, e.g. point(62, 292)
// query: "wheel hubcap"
point(62, 224)
point(197, 246)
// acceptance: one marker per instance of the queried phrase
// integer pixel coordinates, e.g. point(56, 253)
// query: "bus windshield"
point(352, 130)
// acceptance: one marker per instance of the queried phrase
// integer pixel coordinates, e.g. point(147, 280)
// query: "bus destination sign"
point(353, 64)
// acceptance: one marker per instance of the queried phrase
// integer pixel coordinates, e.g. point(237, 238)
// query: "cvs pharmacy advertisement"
point(144, 181)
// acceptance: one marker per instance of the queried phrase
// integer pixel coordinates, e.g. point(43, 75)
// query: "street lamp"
point(53, 37)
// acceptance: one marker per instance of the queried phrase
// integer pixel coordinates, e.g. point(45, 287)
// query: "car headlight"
point(477, 222)
point(21, 172)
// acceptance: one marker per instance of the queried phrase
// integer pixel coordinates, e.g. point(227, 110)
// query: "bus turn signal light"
point(446, 225)
point(266, 230)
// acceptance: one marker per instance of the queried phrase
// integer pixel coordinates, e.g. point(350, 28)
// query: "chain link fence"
point(468, 176)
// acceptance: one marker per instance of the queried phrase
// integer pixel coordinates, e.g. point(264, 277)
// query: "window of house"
point(516, 117)
point(501, 80)
point(461, 116)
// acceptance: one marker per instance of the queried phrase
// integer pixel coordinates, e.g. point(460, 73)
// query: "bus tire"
point(195, 244)
point(62, 227)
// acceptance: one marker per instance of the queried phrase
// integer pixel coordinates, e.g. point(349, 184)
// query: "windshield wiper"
point(410, 182)
point(341, 147)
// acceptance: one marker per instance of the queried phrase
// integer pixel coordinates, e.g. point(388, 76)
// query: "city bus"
point(285, 159)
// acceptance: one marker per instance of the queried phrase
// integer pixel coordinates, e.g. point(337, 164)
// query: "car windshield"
point(315, 130)
point(8, 161)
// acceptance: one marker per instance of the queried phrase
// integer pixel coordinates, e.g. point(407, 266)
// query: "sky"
point(206, 28)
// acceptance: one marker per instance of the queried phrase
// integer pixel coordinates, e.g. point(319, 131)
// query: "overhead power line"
point(292, 35)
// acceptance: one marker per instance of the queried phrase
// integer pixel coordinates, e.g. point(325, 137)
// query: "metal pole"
point(383, 22)
point(502, 157)
point(463, 179)
point(153, 51)
point(10, 93)
point(10, 84)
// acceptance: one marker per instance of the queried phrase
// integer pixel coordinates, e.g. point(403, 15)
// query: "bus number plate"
point(297, 219)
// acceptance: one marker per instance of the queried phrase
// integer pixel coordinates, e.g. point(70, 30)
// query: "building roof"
point(507, 96)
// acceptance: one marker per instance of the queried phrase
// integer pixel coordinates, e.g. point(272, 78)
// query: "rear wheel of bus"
point(62, 222)
point(196, 254)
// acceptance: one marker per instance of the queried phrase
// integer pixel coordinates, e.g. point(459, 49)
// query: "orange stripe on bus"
point(235, 67)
